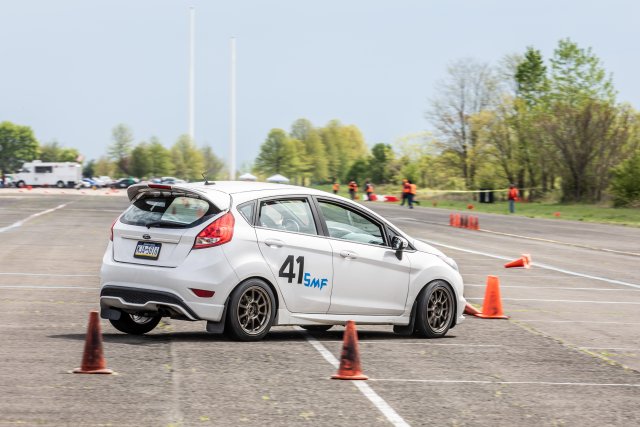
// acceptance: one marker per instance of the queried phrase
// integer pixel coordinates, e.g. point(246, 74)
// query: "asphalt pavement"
point(567, 356)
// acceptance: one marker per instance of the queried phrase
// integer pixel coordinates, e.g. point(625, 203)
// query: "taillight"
point(217, 233)
point(202, 293)
point(113, 225)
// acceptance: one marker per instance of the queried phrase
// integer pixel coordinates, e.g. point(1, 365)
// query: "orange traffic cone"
point(350, 359)
point(528, 258)
point(523, 262)
point(451, 219)
point(92, 359)
point(471, 310)
point(492, 304)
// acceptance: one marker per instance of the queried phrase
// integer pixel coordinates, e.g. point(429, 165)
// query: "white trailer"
point(49, 174)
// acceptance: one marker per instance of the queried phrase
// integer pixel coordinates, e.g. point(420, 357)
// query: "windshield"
point(178, 211)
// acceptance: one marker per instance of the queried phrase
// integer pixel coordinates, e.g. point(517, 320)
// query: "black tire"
point(60, 184)
point(436, 310)
point(316, 328)
point(135, 325)
point(20, 184)
point(251, 311)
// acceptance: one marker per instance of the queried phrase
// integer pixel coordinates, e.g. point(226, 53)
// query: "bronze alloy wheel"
point(440, 309)
point(254, 310)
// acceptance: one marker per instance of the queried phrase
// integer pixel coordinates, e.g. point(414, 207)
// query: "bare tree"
point(469, 88)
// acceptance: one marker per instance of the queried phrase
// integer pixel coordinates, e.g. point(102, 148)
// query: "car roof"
point(266, 189)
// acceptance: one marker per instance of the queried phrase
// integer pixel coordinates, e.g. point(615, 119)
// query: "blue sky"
point(73, 69)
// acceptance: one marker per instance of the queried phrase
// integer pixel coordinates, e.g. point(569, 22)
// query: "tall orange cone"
point(523, 262)
point(350, 359)
point(492, 304)
point(92, 359)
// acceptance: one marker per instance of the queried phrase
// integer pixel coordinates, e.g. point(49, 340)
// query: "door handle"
point(274, 243)
point(348, 254)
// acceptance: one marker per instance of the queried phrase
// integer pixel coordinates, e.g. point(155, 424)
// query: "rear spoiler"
point(220, 199)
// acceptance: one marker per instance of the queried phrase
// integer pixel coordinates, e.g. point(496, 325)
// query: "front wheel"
point(251, 311)
point(436, 308)
point(135, 324)
point(60, 184)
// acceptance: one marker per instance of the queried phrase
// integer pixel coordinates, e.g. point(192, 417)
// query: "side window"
point(346, 224)
point(246, 209)
point(287, 215)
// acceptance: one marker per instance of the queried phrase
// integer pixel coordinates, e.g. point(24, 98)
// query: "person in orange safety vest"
point(513, 195)
point(336, 187)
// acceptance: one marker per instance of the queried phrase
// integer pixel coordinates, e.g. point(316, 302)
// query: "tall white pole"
point(232, 115)
point(192, 23)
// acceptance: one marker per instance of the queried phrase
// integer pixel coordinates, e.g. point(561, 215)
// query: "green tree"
point(380, 163)
point(54, 152)
point(312, 156)
point(625, 182)
point(277, 154)
point(359, 172)
point(187, 159)
point(140, 161)
point(17, 145)
point(120, 149)
point(343, 145)
point(105, 167)
point(89, 169)
point(159, 158)
point(214, 167)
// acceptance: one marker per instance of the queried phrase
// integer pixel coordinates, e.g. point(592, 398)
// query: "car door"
point(298, 257)
point(368, 277)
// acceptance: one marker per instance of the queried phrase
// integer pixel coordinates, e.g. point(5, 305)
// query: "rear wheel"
point(251, 311)
point(20, 184)
point(135, 324)
point(60, 184)
point(435, 312)
point(316, 328)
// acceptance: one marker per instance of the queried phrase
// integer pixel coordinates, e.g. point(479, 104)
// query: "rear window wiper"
point(166, 223)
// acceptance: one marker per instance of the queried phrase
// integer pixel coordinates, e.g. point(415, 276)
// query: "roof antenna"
point(204, 176)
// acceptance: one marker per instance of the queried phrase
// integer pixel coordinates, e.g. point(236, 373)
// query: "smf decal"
point(287, 270)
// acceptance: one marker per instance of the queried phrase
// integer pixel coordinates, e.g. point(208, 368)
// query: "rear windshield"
point(172, 211)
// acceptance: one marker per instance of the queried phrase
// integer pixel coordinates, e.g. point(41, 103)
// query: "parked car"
point(171, 180)
point(124, 183)
point(246, 256)
point(88, 183)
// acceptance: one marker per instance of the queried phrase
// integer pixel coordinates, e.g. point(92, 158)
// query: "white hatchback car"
point(246, 256)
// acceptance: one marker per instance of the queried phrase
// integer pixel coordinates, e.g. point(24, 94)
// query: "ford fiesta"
point(248, 256)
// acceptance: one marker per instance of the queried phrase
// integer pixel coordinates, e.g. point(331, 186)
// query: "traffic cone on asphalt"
point(350, 359)
point(471, 310)
point(93, 361)
point(492, 304)
point(528, 258)
point(522, 262)
point(451, 219)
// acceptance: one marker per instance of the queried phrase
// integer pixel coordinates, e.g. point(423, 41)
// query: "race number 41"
point(287, 270)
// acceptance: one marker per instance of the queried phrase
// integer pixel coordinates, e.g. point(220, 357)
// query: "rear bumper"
point(147, 288)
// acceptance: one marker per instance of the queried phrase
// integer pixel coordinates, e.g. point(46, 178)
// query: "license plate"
point(147, 250)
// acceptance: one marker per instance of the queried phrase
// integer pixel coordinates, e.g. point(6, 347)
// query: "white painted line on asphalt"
point(535, 264)
point(45, 287)
point(48, 274)
point(579, 384)
point(579, 321)
point(609, 348)
point(563, 288)
point(417, 342)
point(364, 388)
point(22, 221)
point(563, 300)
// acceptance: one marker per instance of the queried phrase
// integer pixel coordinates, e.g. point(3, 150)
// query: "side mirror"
point(399, 243)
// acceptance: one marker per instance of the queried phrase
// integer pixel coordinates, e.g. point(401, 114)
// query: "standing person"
point(368, 188)
point(405, 191)
point(413, 189)
point(513, 196)
point(353, 189)
point(336, 187)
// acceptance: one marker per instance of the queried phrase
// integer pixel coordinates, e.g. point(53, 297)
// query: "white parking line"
point(22, 221)
point(395, 342)
point(45, 287)
point(563, 288)
point(579, 384)
point(590, 322)
point(563, 300)
point(48, 274)
point(536, 264)
point(364, 388)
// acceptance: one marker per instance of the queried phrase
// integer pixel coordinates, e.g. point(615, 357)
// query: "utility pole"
point(192, 23)
point(232, 115)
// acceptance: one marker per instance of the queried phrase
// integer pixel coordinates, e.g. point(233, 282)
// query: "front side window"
point(179, 211)
point(287, 215)
point(347, 224)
